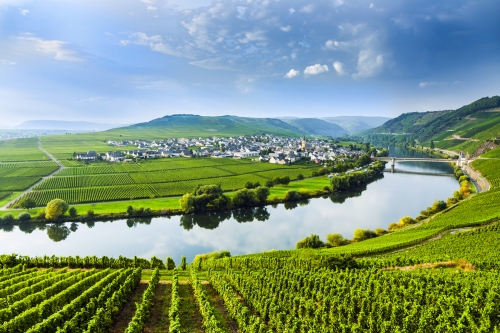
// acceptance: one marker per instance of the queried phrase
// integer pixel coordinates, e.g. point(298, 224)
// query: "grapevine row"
point(210, 323)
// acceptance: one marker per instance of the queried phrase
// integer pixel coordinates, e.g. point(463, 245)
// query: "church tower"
point(304, 142)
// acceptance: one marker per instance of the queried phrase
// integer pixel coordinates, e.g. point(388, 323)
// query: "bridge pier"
point(393, 162)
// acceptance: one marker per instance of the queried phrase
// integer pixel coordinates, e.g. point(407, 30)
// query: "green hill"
point(355, 124)
point(315, 126)
point(188, 125)
point(466, 128)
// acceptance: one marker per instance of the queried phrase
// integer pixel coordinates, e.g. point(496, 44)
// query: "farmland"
point(239, 295)
point(25, 149)
point(21, 175)
point(154, 179)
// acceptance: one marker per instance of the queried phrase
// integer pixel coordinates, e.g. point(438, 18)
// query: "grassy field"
point(25, 149)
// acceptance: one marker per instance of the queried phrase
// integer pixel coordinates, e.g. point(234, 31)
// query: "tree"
point(24, 217)
point(27, 203)
point(130, 210)
point(362, 234)
point(245, 198)
point(336, 240)
point(169, 263)
point(73, 212)
point(183, 263)
point(261, 193)
point(432, 144)
point(55, 208)
point(300, 176)
point(310, 242)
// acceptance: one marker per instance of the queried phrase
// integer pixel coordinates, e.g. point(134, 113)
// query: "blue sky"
point(126, 61)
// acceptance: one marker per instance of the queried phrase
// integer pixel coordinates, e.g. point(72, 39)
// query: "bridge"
point(393, 160)
point(392, 170)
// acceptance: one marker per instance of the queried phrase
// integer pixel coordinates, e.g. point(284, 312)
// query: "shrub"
point(380, 231)
point(73, 212)
point(404, 221)
point(40, 215)
point(90, 213)
point(292, 195)
point(300, 176)
point(336, 240)
point(24, 217)
point(7, 218)
point(363, 234)
point(451, 201)
point(310, 242)
point(55, 208)
point(269, 183)
point(393, 226)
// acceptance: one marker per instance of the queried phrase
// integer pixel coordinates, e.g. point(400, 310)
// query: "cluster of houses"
point(267, 148)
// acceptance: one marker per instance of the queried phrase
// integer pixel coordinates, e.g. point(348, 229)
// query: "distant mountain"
point(66, 125)
point(315, 126)
point(356, 123)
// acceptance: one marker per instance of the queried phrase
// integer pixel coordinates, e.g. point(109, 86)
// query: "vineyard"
point(260, 295)
point(21, 175)
point(150, 179)
point(25, 149)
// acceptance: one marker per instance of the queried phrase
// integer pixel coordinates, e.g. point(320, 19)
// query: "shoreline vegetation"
point(281, 190)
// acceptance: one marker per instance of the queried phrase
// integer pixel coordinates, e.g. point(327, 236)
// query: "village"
point(263, 148)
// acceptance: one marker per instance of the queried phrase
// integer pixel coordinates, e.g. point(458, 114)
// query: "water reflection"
point(240, 231)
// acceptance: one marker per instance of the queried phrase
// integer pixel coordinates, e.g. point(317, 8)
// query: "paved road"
point(61, 166)
point(481, 183)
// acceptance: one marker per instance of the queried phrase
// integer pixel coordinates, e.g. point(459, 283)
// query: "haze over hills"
point(315, 126)
point(66, 125)
point(466, 128)
point(356, 123)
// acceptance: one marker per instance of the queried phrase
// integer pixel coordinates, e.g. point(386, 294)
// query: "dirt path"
point(29, 189)
point(128, 311)
point(218, 304)
point(191, 321)
point(158, 319)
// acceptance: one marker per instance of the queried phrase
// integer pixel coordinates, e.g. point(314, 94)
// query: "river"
point(244, 231)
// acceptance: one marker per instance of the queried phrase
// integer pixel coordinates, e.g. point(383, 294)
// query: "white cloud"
point(339, 68)
point(213, 63)
point(291, 10)
point(369, 64)
point(23, 11)
point(286, 29)
point(152, 8)
point(432, 83)
point(292, 73)
point(315, 69)
point(372, 5)
point(307, 9)
point(53, 48)
point(156, 43)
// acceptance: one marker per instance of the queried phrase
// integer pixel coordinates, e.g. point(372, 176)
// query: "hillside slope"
point(188, 125)
point(466, 128)
point(315, 126)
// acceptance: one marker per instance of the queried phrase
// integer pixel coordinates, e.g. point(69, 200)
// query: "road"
point(481, 183)
point(61, 166)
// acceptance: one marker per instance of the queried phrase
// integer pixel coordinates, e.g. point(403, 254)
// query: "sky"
point(128, 61)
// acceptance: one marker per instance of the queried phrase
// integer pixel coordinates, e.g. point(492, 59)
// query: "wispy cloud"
point(54, 48)
point(23, 11)
point(339, 68)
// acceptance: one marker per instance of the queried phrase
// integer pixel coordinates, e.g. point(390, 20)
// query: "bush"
point(55, 208)
point(451, 201)
point(73, 212)
point(310, 242)
point(7, 218)
point(300, 176)
point(40, 215)
point(27, 203)
point(24, 217)
point(269, 183)
point(292, 195)
point(363, 234)
point(336, 240)
point(90, 213)
point(380, 231)
point(404, 221)
point(393, 226)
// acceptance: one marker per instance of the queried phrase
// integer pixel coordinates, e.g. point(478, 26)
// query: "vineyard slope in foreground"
point(412, 283)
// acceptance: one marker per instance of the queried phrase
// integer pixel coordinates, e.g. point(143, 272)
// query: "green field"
point(154, 179)
point(21, 150)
